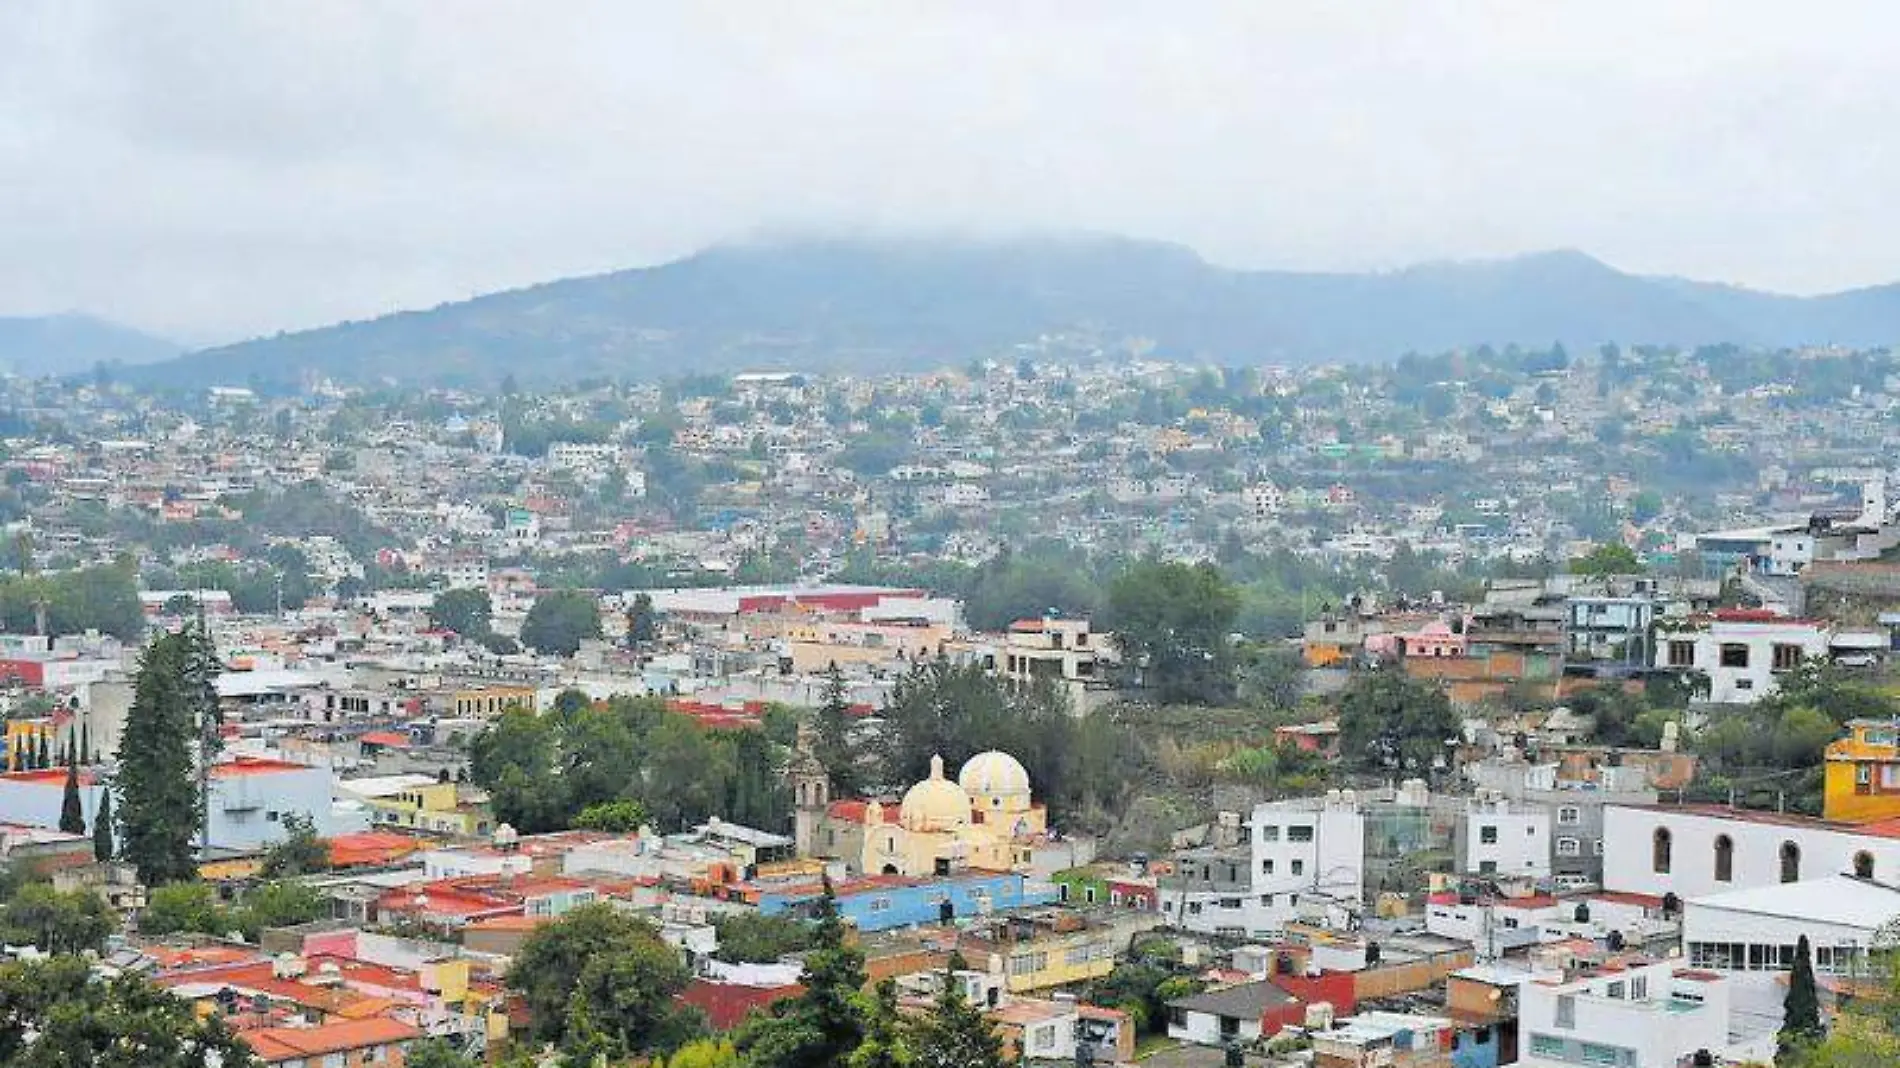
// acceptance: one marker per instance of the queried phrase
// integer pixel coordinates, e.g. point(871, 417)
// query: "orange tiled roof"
point(278, 1044)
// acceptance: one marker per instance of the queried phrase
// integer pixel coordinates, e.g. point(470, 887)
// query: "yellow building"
point(985, 818)
point(1043, 951)
point(22, 742)
point(493, 700)
point(434, 809)
point(1863, 773)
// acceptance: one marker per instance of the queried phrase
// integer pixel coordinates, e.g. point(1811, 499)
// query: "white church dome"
point(996, 782)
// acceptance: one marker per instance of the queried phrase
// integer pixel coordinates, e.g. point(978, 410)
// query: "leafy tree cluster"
point(1623, 718)
point(255, 586)
point(309, 509)
point(1391, 723)
point(300, 853)
point(54, 1014)
point(1078, 767)
point(601, 983)
point(69, 923)
point(750, 937)
point(194, 906)
point(1143, 986)
point(105, 599)
point(835, 1022)
point(560, 620)
point(1771, 753)
point(468, 613)
point(1606, 560)
point(544, 771)
point(1173, 623)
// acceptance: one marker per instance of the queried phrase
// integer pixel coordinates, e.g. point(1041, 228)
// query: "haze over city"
point(210, 171)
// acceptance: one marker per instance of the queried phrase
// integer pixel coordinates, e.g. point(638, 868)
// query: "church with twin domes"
point(985, 818)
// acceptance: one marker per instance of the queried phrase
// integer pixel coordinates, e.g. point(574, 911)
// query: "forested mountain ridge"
point(893, 305)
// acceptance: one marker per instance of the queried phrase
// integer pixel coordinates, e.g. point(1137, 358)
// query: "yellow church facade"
point(985, 818)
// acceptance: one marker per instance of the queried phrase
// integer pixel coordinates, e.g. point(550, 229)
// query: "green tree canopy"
point(620, 816)
point(1609, 559)
point(68, 923)
point(559, 621)
point(1389, 722)
point(54, 1014)
point(466, 612)
point(760, 939)
point(1172, 624)
point(601, 978)
point(300, 853)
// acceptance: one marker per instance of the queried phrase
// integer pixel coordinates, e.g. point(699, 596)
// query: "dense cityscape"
point(1096, 707)
point(986, 535)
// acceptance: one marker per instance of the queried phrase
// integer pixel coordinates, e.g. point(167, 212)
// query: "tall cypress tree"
point(832, 725)
point(821, 1027)
point(1801, 1010)
point(102, 828)
point(158, 790)
point(43, 759)
point(86, 755)
point(201, 675)
point(72, 818)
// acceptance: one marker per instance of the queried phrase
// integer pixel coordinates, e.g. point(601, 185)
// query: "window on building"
point(1566, 1011)
point(1682, 654)
point(1639, 988)
point(1487, 867)
point(1863, 778)
point(1569, 814)
point(1569, 847)
point(1266, 866)
point(1299, 833)
point(1724, 858)
point(1269, 832)
point(1863, 865)
point(1734, 655)
point(1299, 867)
point(1661, 845)
point(1599, 1054)
point(1488, 834)
point(1617, 990)
point(1787, 656)
point(1790, 862)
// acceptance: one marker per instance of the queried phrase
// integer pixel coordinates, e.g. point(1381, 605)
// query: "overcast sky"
point(214, 169)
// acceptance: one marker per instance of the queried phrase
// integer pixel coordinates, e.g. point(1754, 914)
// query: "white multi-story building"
point(1624, 1014)
point(1696, 850)
point(1495, 836)
point(1299, 858)
point(1741, 652)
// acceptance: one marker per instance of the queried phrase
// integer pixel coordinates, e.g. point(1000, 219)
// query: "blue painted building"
point(885, 902)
